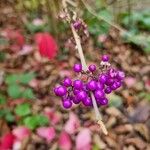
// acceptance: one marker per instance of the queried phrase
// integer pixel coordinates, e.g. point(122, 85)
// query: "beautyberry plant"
point(92, 84)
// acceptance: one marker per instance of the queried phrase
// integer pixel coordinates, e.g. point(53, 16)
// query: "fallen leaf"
point(46, 132)
point(65, 141)
point(72, 124)
point(83, 140)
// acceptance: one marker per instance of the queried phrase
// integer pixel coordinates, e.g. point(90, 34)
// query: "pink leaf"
point(7, 141)
point(46, 44)
point(83, 140)
point(64, 141)
point(21, 132)
point(46, 132)
point(72, 124)
point(52, 115)
point(130, 81)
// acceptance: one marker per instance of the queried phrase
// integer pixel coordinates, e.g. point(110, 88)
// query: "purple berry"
point(78, 84)
point(120, 75)
point(99, 94)
point(77, 24)
point(76, 100)
point(77, 68)
point(108, 90)
point(75, 91)
point(103, 101)
point(118, 84)
point(67, 82)
point(100, 86)
point(60, 91)
point(109, 81)
point(114, 86)
point(81, 95)
point(92, 85)
point(67, 103)
point(105, 58)
point(92, 68)
point(87, 102)
point(103, 78)
point(112, 73)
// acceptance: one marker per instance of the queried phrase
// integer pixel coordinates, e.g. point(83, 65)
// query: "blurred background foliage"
point(132, 15)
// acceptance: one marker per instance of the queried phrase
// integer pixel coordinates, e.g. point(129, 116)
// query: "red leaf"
point(7, 141)
point(46, 44)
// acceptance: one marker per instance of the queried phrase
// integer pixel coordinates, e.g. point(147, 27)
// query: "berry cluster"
point(98, 83)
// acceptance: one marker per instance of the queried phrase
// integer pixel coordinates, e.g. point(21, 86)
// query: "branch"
point(85, 68)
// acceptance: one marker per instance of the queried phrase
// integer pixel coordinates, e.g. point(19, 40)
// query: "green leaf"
point(115, 100)
point(28, 94)
point(23, 109)
point(14, 91)
point(10, 117)
point(2, 99)
point(2, 56)
point(24, 78)
point(33, 122)
point(95, 147)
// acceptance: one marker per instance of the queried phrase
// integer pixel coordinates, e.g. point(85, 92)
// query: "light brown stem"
point(85, 68)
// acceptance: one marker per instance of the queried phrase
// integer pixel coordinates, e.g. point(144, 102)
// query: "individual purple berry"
point(92, 68)
point(118, 84)
point(114, 86)
point(99, 94)
point(81, 95)
point(77, 68)
point(120, 75)
point(108, 90)
point(78, 84)
point(103, 101)
point(67, 103)
point(76, 100)
point(112, 73)
point(75, 91)
point(105, 58)
point(60, 91)
point(103, 78)
point(77, 24)
point(87, 101)
point(109, 81)
point(92, 85)
point(100, 86)
point(67, 82)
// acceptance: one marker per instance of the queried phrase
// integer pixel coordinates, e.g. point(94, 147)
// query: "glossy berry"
point(87, 102)
point(92, 85)
point(60, 91)
point(114, 86)
point(99, 94)
point(118, 84)
point(108, 90)
point(75, 100)
point(109, 81)
point(81, 95)
point(92, 68)
point(75, 91)
point(77, 68)
point(120, 75)
point(78, 84)
point(100, 86)
point(103, 101)
point(67, 82)
point(67, 103)
point(105, 58)
point(103, 78)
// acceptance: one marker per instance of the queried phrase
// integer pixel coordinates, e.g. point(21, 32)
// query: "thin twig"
point(85, 68)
